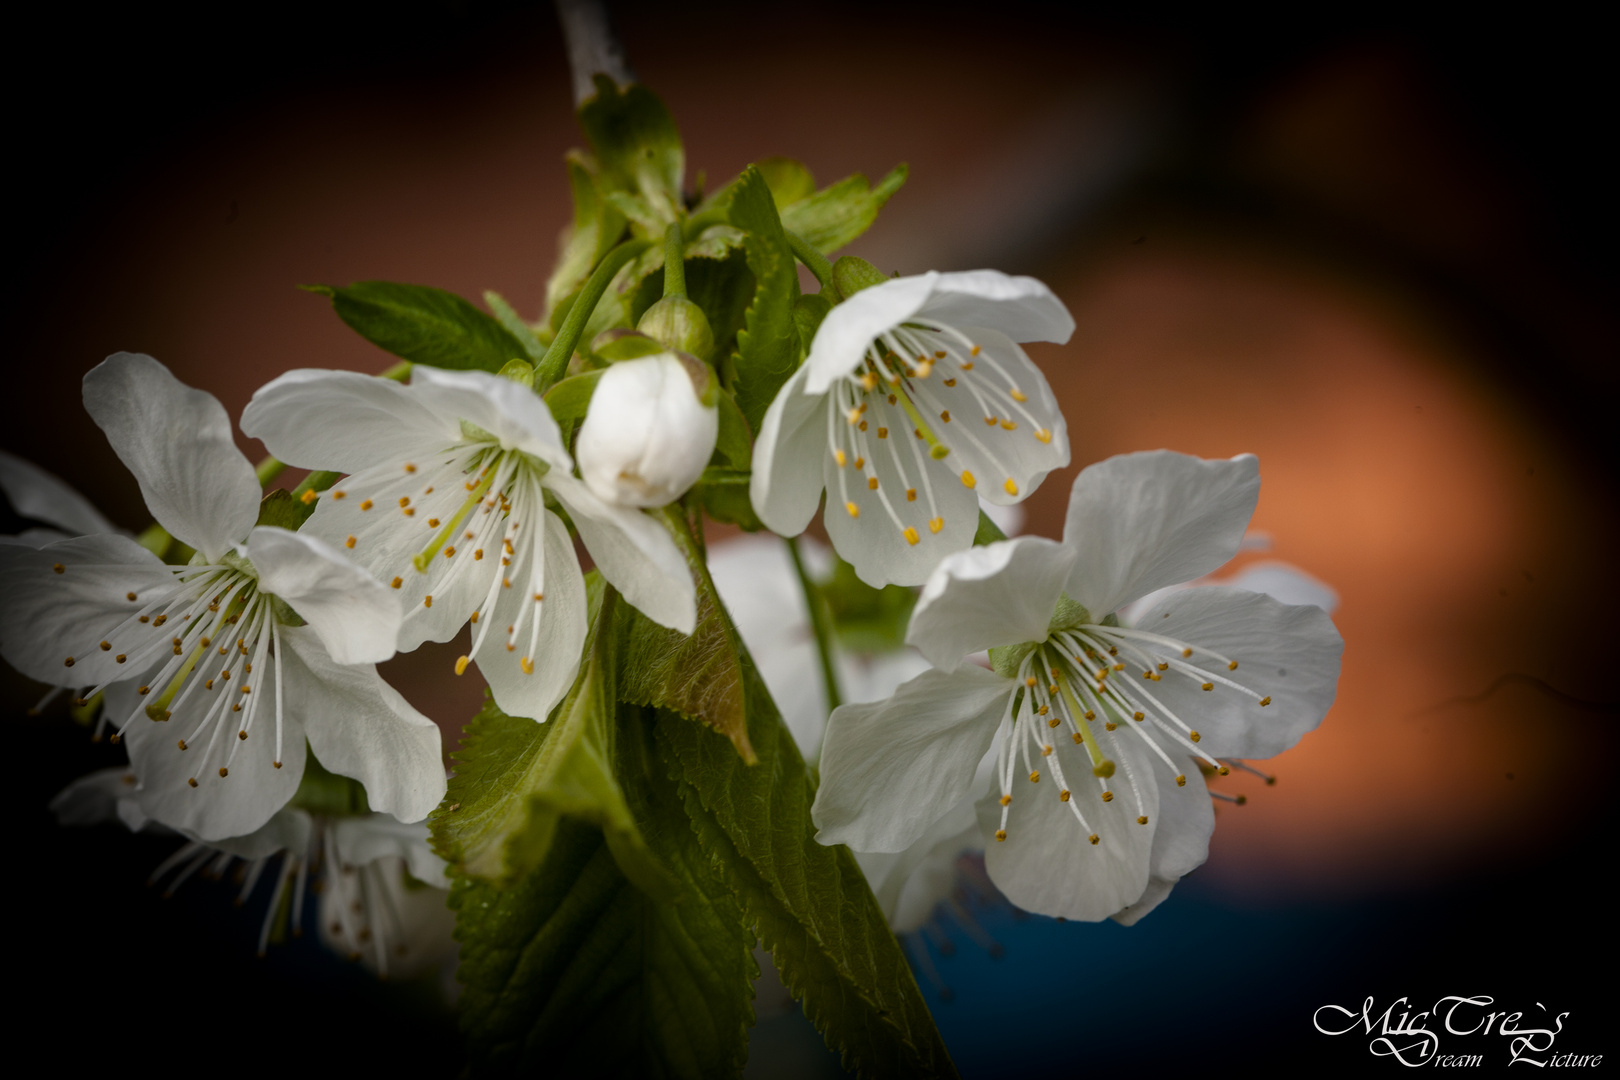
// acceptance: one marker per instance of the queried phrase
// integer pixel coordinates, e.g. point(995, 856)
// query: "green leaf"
point(723, 494)
point(570, 398)
point(517, 781)
point(733, 444)
point(514, 324)
point(572, 971)
point(988, 532)
point(698, 675)
point(789, 180)
point(768, 348)
point(424, 325)
point(866, 619)
point(837, 214)
point(808, 311)
point(281, 509)
point(636, 144)
point(809, 903)
point(595, 229)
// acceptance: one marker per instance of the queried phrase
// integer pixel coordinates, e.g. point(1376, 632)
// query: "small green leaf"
point(569, 400)
point(724, 496)
point(768, 348)
point(281, 509)
point(424, 325)
point(697, 675)
point(809, 903)
point(509, 318)
point(837, 214)
point(636, 144)
point(517, 781)
point(988, 532)
point(788, 180)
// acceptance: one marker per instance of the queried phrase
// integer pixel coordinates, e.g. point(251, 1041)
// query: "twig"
point(593, 49)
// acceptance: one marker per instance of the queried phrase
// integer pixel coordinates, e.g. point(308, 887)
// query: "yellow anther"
point(1181, 781)
point(1108, 796)
point(1030, 682)
point(1006, 800)
point(409, 511)
point(1043, 435)
point(478, 555)
point(475, 617)
point(1044, 709)
point(1138, 717)
point(120, 658)
point(945, 416)
point(404, 500)
point(449, 551)
point(989, 421)
point(277, 764)
point(527, 665)
point(868, 381)
point(910, 535)
point(967, 479)
point(1046, 751)
point(339, 494)
point(309, 496)
point(1011, 486)
point(1147, 675)
point(160, 620)
point(397, 582)
point(1009, 425)
point(1207, 686)
point(129, 596)
point(192, 780)
point(892, 399)
point(1194, 736)
point(1264, 702)
point(1164, 667)
point(1231, 665)
point(871, 483)
point(1224, 771)
point(883, 433)
point(1016, 394)
point(106, 646)
point(936, 524)
point(974, 352)
point(409, 467)
point(349, 543)
point(1090, 715)
point(241, 735)
point(1078, 739)
point(911, 494)
point(461, 664)
point(1142, 820)
point(59, 568)
point(950, 382)
point(853, 414)
point(366, 505)
point(861, 425)
point(860, 463)
point(1001, 834)
point(1186, 652)
point(1054, 722)
point(427, 601)
point(1109, 725)
point(182, 744)
point(68, 662)
point(224, 772)
point(433, 523)
point(1093, 839)
point(854, 511)
point(1035, 777)
point(1064, 795)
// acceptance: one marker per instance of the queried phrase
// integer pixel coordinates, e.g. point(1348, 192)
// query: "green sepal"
point(517, 781)
point(572, 971)
point(636, 145)
point(768, 348)
point(696, 675)
point(281, 509)
point(988, 532)
point(423, 325)
point(809, 903)
point(508, 317)
point(837, 214)
point(1004, 659)
point(570, 399)
point(852, 274)
point(723, 494)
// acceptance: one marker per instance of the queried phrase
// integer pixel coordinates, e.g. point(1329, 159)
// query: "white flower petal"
point(984, 597)
point(218, 807)
point(345, 421)
point(177, 442)
point(785, 486)
point(37, 494)
point(93, 798)
point(356, 616)
point(510, 411)
point(646, 436)
point(1138, 522)
point(848, 329)
point(37, 538)
point(1156, 893)
point(1285, 584)
point(287, 830)
point(1048, 864)
point(1008, 463)
point(891, 769)
point(360, 727)
point(362, 840)
point(1021, 307)
point(51, 616)
point(910, 884)
point(635, 554)
point(1290, 654)
point(1180, 843)
point(555, 652)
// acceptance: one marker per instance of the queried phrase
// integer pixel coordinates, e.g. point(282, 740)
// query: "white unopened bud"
point(650, 430)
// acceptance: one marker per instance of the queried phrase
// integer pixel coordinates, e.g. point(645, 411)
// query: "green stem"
point(820, 625)
point(674, 261)
point(816, 263)
point(317, 481)
point(555, 362)
point(268, 469)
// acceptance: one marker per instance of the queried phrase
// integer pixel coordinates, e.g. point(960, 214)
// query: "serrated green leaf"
point(723, 494)
point(768, 347)
point(810, 904)
point(789, 180)
point(509, 318)
point(281, 509)
point(517, 781)
point(424, 325)
point(572, 971)
point(696, 675)
point(839, 213)
point(636, 144)
point(595, 229)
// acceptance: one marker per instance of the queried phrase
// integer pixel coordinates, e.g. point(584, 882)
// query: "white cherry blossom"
point(446, 503)
point(215, 673)
point(648, 433)
point(915, 398)
point(1100, 728)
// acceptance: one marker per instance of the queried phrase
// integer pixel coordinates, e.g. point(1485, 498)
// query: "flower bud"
point(680, 325)
point(650, 430)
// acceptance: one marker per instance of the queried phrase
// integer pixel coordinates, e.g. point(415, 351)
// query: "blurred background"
point(1379, 256)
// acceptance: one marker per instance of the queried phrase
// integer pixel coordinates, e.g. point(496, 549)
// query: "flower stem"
point(816, 263)
point(674, 261)
point(820, 624)
point(268, 469)
point(555, 362)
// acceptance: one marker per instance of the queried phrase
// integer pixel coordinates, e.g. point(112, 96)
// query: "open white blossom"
point(648, 432)
point(914, 400)
point(446, 503)
point(264, 629)
point(1098, 804)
